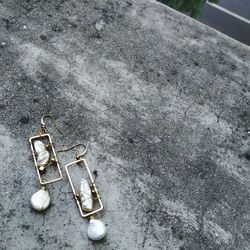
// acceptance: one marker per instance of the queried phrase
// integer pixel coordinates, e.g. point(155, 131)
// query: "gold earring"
point(44, 156)
point(86, 195)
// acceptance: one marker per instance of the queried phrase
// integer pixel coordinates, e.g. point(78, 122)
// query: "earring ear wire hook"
point(74, 146)
point(43, 124)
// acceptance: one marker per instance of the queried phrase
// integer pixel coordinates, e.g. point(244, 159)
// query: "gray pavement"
point(163, 102)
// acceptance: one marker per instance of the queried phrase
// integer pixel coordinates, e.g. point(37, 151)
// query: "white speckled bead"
point(86, 196)
point(40, 200)
point(96, 230)
point(39, 146)
point(42, 158)
point(42, 154)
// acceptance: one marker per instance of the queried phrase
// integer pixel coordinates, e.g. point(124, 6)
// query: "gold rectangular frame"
point(35, 161)
point(83, 213)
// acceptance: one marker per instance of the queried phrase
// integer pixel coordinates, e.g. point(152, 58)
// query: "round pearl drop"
point(40, 200)
point(96, 230)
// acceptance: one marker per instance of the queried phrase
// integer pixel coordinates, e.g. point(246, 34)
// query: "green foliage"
point(189, 7)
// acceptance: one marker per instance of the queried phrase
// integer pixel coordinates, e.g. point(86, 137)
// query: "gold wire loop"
point(43, 129)
point(93, 187)
point(41, 168)
point(74, 146)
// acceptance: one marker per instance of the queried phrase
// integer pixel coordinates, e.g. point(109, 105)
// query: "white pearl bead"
point(39, 146)
point(86, 196)
point(96, 230)
point(42, 158)
point(40, 200)
point(42, 153)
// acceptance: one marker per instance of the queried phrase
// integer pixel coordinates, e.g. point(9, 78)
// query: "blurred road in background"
point(231, 17)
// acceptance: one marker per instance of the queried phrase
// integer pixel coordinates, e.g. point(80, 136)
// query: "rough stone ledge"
point(163, 102)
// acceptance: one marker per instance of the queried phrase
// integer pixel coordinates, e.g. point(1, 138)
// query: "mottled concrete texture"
point(163, 102)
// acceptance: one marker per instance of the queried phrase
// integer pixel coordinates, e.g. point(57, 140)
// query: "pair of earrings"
point(86, 194)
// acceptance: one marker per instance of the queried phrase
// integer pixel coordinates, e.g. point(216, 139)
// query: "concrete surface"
point(164, 103)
